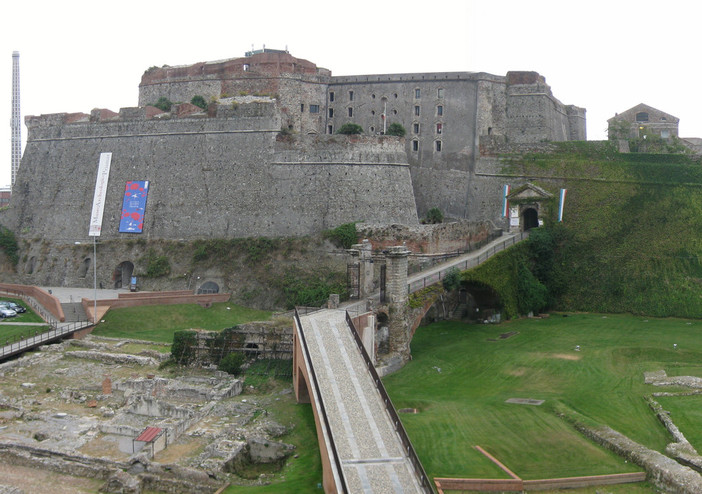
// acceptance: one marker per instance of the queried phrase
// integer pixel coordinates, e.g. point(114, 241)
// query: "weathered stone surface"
point(262, 450)
point(121, 483)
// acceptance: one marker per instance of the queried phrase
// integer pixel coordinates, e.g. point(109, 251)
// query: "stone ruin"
point(78, 406)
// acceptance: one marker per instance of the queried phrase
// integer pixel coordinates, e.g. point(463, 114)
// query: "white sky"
point(606, 56)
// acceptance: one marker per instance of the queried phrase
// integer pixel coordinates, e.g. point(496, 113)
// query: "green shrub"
point(157, 265)
point(434, 216)
point(312, 290)
point(183, 347)
point(163, 104)
point(199, 101)
point(350, 129)
point(8, 244)
point(452, 279)
point(344, 235)
point(395, 129)
point(232, 363)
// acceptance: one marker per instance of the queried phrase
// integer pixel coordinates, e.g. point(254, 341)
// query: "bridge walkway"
point(369, 450)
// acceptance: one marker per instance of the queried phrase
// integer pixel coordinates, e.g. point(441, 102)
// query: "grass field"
point(10, 332)
point(159, 322)
point(461, 375)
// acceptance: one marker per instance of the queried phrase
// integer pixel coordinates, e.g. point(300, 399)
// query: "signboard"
point(103, 175)
point(134, 206)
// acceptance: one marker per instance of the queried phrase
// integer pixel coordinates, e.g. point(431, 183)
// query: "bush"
point(350, 129)
point(452, 279)
point(8, 244)
point(163, 104)
point(434, 216)
point(232, 363)
point(199, 101)
point(182, 349)
point(395, 129)
point(312, 290)
point(343, 235)
point(157, 266)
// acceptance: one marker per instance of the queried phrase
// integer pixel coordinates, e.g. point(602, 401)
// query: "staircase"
point(74, 312)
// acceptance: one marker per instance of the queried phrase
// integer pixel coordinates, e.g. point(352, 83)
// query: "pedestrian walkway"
point(370, 451)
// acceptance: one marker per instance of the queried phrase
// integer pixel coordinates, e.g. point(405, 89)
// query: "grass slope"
point(635, 220)
point(158, 323)
point(463, 404)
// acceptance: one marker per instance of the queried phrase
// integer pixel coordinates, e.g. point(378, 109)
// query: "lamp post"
point(94, 278)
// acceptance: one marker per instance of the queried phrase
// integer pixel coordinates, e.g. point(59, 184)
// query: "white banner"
point(99, 198)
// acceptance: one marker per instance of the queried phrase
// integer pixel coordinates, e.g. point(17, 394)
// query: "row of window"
point(417, 94)
point(417, 110)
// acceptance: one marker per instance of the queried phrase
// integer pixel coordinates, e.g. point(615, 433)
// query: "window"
point(373, 96)
point(314, 108)
point(350, 112)
point(331, 112)
point(440, 110)
point(417, 93)
point(665, 134)
point(372, 112)
point(439, 128)
point(416, 110)
point(331, 96)
point(302, 108)
point(246, 67)
point(415, 128)
point(438, 145)
point(642, 116)
point(415, 145)
point(350, 95)
point(372, 130)
point(330, 129)
point(440, 92)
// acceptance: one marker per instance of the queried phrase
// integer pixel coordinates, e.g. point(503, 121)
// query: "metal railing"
point(56, 332)
point(428, 261)
point(467, 264)
point(318, 399)
point(422, 476)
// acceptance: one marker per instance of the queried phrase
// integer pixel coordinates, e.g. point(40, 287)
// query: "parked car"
point(5, 311)
point(17, 308)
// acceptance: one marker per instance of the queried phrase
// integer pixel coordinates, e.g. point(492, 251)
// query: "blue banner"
point(134, 206)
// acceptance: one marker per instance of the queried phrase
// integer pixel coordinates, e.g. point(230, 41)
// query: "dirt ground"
point(36, 481)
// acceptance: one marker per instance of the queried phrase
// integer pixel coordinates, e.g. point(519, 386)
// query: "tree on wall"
point(163, 104)
point(350, 129)
point(396, 129)
point(199, 101)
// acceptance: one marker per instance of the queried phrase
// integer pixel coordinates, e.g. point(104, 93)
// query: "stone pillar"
point(363, 255)
point(107, 386)
point(396, 274)
point(398, 324)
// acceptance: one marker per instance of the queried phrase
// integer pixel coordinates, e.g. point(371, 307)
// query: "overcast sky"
point(606, 56)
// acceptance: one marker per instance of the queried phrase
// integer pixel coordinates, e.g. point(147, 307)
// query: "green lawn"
point(463, 404)
point(10, 332)
point(159, 322)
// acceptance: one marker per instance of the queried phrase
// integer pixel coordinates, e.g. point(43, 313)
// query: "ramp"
point(370, 452)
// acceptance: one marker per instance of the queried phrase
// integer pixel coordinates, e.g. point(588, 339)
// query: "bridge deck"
point(371, 454)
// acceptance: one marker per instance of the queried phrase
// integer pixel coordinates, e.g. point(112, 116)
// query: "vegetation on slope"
point(632, 224)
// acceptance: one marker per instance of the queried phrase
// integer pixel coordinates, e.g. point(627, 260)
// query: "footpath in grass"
point(461, 376)
point(159, 322)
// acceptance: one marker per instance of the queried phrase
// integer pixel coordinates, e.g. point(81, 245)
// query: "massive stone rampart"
point(228, 175)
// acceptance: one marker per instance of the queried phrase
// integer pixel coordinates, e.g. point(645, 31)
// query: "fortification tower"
point(16, 119)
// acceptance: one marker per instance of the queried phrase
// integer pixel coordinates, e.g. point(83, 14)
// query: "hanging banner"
point(134, 206)
point(103, 175)
point(505, 203)
point(561, 202)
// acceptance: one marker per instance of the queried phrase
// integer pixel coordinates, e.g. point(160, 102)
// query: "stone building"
point(640, 120)
point(445, 114)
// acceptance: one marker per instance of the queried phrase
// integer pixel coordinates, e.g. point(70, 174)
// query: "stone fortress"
point(263, 159)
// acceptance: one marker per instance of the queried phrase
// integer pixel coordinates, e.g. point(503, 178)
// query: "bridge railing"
point(13, 347)
point(318, 399)
point(467, 264)
point(425, 484)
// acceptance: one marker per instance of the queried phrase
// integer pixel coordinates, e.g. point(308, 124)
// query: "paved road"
point(68, 294)
point(372, 457)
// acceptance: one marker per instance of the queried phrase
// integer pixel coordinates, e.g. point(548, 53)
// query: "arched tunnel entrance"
point(123, 274)
point(479, 302)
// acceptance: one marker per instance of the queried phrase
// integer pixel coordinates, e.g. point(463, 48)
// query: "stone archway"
point(123, 274)
point(530, 218)
point(208, 287)
point(482, 302)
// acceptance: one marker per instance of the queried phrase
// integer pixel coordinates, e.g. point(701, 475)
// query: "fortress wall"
point(209, 178)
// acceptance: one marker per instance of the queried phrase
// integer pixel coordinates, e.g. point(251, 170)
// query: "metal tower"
point(16, 121)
